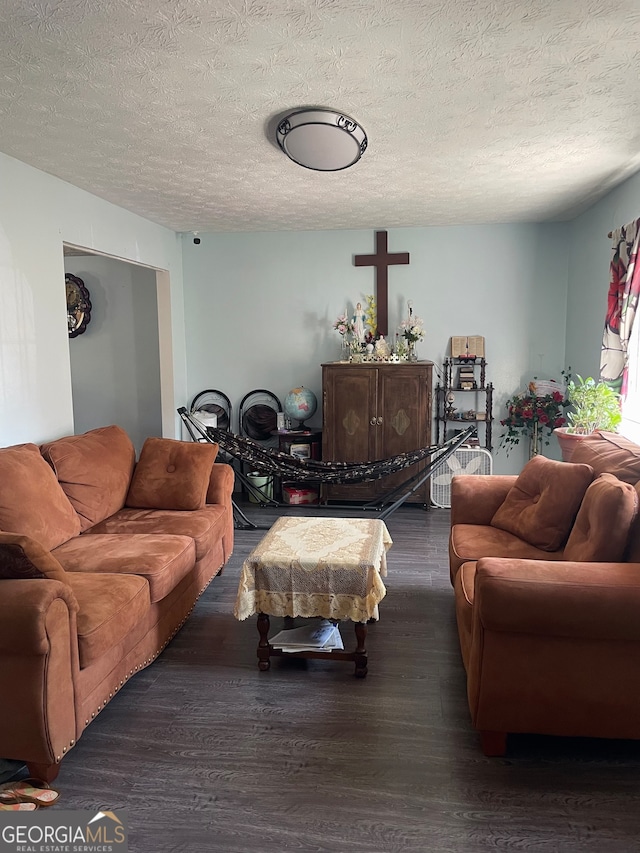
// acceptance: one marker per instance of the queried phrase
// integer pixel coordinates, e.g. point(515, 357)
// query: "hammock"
point(270, 461)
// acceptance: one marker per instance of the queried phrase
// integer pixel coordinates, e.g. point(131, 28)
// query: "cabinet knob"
point(372, 421)
point(379, 421)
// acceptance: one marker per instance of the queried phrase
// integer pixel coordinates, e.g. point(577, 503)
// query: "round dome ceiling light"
point(321, 139)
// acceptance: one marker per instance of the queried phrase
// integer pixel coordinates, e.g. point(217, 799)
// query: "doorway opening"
point(121, 366)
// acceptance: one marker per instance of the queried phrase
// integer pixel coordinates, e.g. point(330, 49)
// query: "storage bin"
point(264, 484)
point(292, 494)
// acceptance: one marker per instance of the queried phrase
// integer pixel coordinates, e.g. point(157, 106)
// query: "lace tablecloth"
point(329, 567)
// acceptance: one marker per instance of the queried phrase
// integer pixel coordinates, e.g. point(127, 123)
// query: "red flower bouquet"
point(534, 415)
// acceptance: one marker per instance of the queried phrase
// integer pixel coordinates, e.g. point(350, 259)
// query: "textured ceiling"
point(475, 112)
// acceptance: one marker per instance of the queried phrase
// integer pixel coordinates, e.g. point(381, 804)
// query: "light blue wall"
point(259, 308)
point(37, 214)
point(589, 259)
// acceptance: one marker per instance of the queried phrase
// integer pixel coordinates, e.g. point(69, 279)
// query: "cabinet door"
point(405, 408)
point(349, 406)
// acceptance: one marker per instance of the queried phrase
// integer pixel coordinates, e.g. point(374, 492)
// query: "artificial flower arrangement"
point(533, 415)
point(410, 332)
point(371, 321)
point(412, 329)
point(343, 325)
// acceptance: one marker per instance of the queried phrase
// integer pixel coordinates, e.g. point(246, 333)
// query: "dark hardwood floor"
point(208, 754)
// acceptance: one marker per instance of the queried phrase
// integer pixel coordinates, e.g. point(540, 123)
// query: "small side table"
point(301, 443)
point(327, 567)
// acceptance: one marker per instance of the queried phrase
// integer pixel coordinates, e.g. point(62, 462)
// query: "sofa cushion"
point(172, 474)
point(204, 526)
point(32, 501)
point(162, 560)
point(109, 606)
point(473, 541)
point(608, 452)
point(602, 526)
point(94, 469)
point(22, 557)
point(542, 504)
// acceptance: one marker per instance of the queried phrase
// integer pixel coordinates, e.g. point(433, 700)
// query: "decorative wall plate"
point(78, 305)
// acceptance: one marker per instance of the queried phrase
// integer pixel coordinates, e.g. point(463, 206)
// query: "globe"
point(300, 404)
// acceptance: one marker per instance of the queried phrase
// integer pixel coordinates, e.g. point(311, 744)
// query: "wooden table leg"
point(263, 644)
point(361, 651)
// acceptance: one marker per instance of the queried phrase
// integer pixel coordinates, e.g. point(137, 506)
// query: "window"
point(630, 426)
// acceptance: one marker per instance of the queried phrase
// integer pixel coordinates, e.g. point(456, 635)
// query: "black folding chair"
point(258, 420)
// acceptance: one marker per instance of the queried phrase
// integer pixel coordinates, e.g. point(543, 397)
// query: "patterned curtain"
point(624, 291)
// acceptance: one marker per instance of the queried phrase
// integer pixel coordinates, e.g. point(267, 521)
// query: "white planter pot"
point(568, 442)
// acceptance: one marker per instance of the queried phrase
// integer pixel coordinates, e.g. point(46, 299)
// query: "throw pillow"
point(32, 501)
point(94, 469)
point(604, 520)
point(172, 474)
point(22, 557)
point(543, 502)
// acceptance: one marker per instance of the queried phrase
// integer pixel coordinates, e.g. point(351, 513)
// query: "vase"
point(534, 441)
point(412, 355)
point(568, 442)
point(356, 352)
point(345, 349)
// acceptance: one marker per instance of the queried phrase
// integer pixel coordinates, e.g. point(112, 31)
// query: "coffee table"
point(327, 567)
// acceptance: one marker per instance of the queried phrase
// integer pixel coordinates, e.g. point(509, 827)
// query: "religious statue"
point(382, 348)
point(359, 320)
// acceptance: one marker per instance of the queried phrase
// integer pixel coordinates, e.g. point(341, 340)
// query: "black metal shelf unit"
point(464, 382)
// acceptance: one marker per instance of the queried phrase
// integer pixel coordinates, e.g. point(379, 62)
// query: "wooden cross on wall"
point(382, 260)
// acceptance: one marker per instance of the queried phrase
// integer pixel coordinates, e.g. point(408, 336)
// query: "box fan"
point(464, 460)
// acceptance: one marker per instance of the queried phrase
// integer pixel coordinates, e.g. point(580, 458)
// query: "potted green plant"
point(595, 406)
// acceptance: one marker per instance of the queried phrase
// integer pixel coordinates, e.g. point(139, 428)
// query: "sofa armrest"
point(38, 670)
point(555, 649)
point(24, 605)
point(475, 498)
point(221, 484)
point(598, 601)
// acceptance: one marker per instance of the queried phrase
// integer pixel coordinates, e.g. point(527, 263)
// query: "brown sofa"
point(101, 562)
point(547, 591)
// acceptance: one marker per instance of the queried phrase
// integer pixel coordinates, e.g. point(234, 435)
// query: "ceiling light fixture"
point(321, 139)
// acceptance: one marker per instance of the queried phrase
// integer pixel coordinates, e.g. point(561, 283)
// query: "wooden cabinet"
point(372, 411)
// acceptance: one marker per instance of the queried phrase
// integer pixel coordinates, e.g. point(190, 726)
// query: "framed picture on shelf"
point(301, 451)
